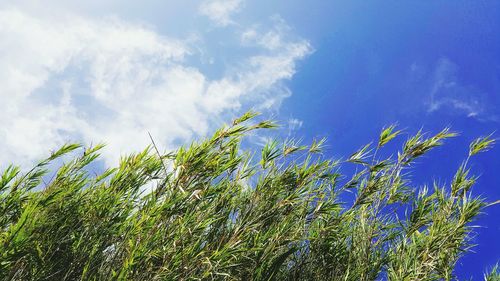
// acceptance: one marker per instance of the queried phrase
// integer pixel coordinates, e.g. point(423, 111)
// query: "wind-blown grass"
point(219, 212)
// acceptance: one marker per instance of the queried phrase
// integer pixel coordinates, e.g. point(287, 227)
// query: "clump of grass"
point(218, 212)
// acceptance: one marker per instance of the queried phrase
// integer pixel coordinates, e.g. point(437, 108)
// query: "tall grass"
point(218, 212)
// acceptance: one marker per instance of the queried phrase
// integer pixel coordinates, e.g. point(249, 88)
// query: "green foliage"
point(493, 275)
point(210, 211)
point(481, 144)
point(387, 135)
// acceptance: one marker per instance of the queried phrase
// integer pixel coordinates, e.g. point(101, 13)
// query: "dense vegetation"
point(212, 210)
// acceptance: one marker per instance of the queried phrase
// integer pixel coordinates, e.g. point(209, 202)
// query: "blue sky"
point(113, 70)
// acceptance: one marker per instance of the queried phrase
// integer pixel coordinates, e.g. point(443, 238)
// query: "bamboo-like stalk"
point(216, 213)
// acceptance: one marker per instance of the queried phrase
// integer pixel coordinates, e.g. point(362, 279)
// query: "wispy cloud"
point(448, 93)
point(92, 80)
point(294, 124)
point(220, 11)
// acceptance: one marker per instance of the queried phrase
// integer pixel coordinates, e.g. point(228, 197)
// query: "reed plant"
point(212, 210)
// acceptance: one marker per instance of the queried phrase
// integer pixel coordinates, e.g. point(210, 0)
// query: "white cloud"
point(447, 93)
point(92, 80)
point(269, 38)
point(294, 124)
point(220, 11)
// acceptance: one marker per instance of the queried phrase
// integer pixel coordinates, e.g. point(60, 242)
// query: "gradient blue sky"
point(113, 70)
